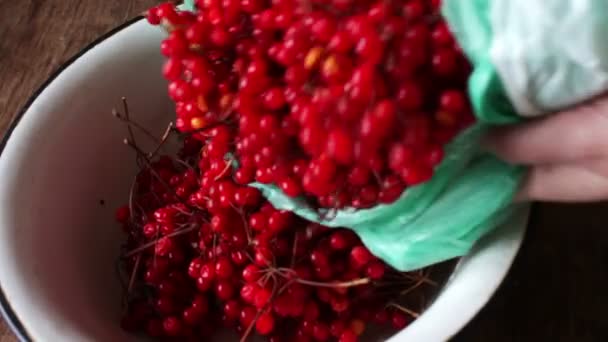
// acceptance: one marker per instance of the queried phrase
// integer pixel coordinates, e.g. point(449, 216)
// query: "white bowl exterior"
point(58, 244)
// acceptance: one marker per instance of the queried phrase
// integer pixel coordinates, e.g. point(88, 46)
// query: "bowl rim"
point(6, 310)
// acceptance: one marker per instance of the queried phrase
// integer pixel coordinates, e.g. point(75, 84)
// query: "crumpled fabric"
point(531, 58)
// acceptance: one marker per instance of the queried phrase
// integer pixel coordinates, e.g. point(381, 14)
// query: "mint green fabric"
point(188, 5)
point(469, 194)
point(470, 22)
point(531, 58)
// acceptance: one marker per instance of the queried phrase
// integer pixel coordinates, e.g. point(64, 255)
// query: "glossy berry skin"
point(338, 104)
point(122, 214)
point(264, 324)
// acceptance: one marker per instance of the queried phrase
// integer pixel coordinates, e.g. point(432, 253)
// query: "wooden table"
point(556, 290)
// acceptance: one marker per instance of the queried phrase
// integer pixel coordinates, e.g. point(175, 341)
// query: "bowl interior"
point(65, 169)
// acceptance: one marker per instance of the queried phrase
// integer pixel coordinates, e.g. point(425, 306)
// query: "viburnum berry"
point(265, 323)
point(223, 268)
point(172, 326)
point(348, 336)
point(399, 320)
point(247, 316)
point(152, 16)
point(342, 104)
point(122, 214)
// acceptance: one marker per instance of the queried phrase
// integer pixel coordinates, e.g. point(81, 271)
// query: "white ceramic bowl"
point(64, 155)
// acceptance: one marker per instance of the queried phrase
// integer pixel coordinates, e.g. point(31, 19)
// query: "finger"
point(584, 182)
point(576, 134)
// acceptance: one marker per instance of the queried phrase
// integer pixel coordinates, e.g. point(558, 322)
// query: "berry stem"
point(125, 106)
point(404, 309)
point(152, 243)
point(131, 196)
point(223, 173)
point(133, 274)
point(294, 250)
point(413, 287)
point(163, 139)
point(351, 283)
point(130, 123)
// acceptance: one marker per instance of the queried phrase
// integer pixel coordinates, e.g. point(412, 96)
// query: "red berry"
point(180, 90)
point(323, 29)
point(262, 298)
point(348, 336)
point(165, 305)
point(155, 328)
point(381, 317)
point(224, 290)
point(434, 155)
point(172, 326)
point(416, 174)
point(248, 292)
point(442, 35)
point(340, 240)
point(263, 257)
point(340, 146)
point(172, 69)
point(320, 332)
point(290, 187)
point(278, 221)
point(191, 316)
point(400, 156)
point(152, 16)
point(444, 62)
point(319, 258)
point(223, 268)
point(337, 327)
point(207, 271)
point(248, 315)
point(453, 101)
point(361, 255)
point(200, 304)
point(413, 10)
point(375, 270)
point(311, 311)
point(399, 320)
point(409, 96)
point(122, 214)
point(203, 284)
point(258, 221)
point(265, 324)
point(274, 99)
point(251, 273)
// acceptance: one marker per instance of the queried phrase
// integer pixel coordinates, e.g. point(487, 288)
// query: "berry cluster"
point(346, 102)
point(205, 253)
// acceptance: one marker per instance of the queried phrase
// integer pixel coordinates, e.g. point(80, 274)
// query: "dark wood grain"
point(556, 289)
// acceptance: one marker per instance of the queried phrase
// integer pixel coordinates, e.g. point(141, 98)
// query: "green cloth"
point(188, 5)
point(531, 58)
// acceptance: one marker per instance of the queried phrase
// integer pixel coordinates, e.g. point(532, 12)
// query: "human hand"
point(567, 153)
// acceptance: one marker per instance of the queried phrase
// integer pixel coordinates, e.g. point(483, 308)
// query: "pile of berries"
point(204, 253)
point(345, 102)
